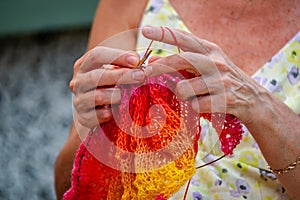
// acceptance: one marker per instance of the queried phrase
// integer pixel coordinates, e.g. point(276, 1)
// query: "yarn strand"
point(92, 178)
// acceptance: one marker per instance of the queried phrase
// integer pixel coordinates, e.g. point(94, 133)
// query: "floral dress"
point(243, 175)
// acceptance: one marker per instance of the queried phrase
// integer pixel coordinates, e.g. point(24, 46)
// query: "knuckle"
point(221, 65)
point(94, 54)
point(71, 85)
point(226, 80)
point(78, 105)
point(88, 118)
point(84, 121)
point(76, 85)
point(77, 63)
point(214, 46)
point(76, 102)
point(219, 62)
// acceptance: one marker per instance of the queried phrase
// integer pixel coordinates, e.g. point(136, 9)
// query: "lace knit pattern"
point(162, 149)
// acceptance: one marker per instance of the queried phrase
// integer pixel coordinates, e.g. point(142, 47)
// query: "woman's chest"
point(248, 40)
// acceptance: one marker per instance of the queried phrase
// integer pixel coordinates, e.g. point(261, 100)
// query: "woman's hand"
point(219, 86)
point(95, 75)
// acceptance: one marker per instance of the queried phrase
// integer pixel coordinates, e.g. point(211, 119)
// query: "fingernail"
point(132, 60)
point(148, 71)
point(138, 75)
point(148, 30)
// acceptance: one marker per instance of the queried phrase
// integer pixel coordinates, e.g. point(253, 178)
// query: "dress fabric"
point(243, 175)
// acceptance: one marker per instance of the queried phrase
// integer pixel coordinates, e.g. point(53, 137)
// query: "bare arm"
point(223, 87)
point(112, 17)
point(277, 135)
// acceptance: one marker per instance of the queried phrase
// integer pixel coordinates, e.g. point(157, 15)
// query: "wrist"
point(266, 114)
point(275, 129)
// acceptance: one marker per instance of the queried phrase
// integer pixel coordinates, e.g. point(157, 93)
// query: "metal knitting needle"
point(144, 59)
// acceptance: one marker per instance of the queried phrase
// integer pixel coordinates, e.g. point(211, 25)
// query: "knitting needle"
point(147, 54)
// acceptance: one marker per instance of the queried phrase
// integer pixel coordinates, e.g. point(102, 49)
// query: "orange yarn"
point(160, 139)
point(146, 151)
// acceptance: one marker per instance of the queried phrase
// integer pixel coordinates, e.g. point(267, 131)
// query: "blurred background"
point(39, 42)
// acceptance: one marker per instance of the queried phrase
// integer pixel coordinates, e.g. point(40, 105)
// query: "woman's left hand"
point(219, 85)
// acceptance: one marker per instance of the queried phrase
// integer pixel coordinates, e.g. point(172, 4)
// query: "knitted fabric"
point(154, 147)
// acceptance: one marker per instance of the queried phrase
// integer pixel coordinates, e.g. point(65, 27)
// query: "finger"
point(107, 77)
point(210, 103)
point(191, 88)
point(96, 98)
point(107, 66)
point(94, 117)
point(104, 114)
point(154, 58)
point(100, 55)
point(75, 70)
point(107, 96)
point(166, 65)
point(198, 63)
point(180, 38)
point(199, 86)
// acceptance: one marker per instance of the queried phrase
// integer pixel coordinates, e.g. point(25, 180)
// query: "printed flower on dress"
point(197, 196)
point(274, 86)
point(276, 59)
point(155, 6)
point(218, 182)
point(293, 53)
point(294, 75)
point(242, 189)
point(266, 175)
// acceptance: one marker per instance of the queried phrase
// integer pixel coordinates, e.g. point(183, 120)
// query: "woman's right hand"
point(95, 75)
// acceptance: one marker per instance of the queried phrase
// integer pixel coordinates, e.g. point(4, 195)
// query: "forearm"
point(64, 163)
point(277, 130)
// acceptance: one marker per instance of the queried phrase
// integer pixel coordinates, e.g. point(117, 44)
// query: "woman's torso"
point(244, 175)
point(249, 32)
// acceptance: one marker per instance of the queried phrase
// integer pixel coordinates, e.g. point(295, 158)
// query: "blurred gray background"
point(37, 51)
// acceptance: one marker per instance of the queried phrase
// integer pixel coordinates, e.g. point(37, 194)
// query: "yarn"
point(229, 128)
point(150, 153)
point(140, 129)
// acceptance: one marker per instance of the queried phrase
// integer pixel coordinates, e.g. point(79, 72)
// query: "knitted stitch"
point(155, 147)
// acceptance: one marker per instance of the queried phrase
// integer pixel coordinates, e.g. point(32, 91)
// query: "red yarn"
point(229, 128)
point(160, 197)
point(94, 177)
